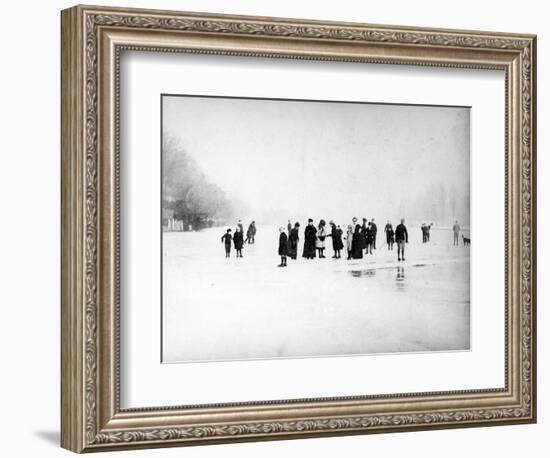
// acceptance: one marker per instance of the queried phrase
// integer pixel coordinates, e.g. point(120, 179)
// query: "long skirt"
point(309, 249)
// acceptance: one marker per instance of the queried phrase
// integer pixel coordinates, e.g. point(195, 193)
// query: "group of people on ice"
point(358, 238)
point(238, 238)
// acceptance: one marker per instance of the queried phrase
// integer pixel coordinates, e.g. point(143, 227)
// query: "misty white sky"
point(322, 159)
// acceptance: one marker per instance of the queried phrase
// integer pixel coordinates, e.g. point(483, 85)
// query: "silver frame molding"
point(92, 39)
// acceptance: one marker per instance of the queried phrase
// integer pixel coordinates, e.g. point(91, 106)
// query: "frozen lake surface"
point(248, 308)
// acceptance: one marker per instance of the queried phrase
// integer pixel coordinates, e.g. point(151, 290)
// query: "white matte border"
point(146, 382)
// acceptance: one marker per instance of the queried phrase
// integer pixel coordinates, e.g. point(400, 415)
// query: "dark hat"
point(309, 220)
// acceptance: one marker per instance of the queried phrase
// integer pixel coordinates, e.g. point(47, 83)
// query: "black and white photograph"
point(310, 228)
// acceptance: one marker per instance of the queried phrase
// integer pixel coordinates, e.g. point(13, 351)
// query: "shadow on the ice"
point(363, 273)
point(369, 273)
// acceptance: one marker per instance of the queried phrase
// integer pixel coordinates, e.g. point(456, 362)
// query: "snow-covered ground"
point(248, 308)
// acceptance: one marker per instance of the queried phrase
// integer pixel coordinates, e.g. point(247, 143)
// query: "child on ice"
point(283, 246)
point(226, 238)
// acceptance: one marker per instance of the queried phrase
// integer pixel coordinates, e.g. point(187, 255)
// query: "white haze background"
point(294, 159)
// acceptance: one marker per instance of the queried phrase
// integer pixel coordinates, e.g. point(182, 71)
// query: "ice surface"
point(248, 308)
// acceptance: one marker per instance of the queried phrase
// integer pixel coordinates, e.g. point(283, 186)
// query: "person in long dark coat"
point(293, 239)
point(310, 236)
point(238, 241)
point(369, 239)
point(333, 236)
point(283, 246)
point(357, 244)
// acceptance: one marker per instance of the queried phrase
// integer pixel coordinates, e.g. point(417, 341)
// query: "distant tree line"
point(187, 194)
point(438, 203)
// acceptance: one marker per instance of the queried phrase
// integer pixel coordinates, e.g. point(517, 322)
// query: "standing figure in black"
point(283, 246)
point(369, 239)
point(428, 230)
point(251, 232)
point(293, 239)
point(336, 235)
point(373, 231)
point(364, 235)
point(401, 237)
point(226, 238)
point(357, 243)
point(456, 232)
point(388, 230)
point(238, 241)
point(310, 236)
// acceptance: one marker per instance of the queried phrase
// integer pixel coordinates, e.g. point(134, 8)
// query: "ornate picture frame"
point(92, 40)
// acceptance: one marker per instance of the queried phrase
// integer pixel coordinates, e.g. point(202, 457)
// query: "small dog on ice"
point(466, 240)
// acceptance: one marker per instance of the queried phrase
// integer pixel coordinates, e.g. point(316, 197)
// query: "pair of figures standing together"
point(315, 239)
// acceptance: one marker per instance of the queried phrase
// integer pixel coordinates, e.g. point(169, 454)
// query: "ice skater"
point(388, 230)
point(374, 232)
point(226, 238)
point(283, 246)
point(401, 237)
point(251, 233)
point(336, 235)
point(293, 239)
point(238, 240)
point(456, 232)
